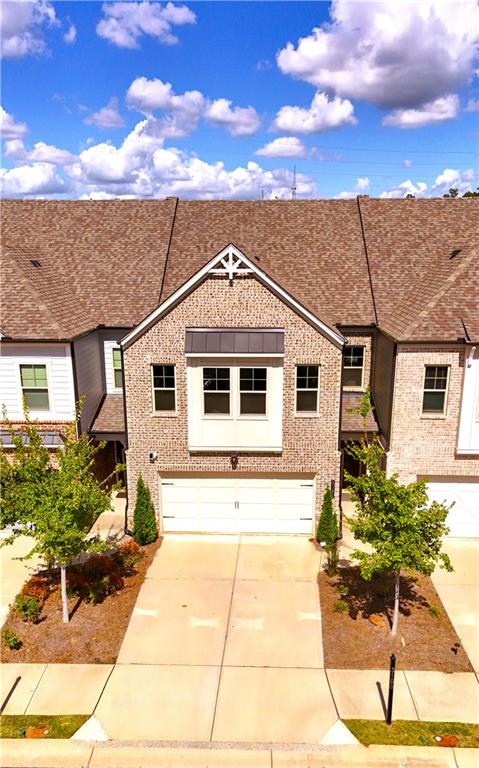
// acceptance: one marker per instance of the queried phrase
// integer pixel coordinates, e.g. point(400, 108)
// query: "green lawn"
point(412, 733)
point(59, 726)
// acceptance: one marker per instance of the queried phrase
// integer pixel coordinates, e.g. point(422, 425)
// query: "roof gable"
point(231, 263)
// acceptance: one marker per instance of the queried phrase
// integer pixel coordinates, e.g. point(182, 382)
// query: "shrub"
point(342, 589)
point(98, 590)
point(11, 640)
point(98, 566)
point(340, 606)
point(332, 559)
point(327, 529)
point(434, 611)
point(28, 608)
point(129, 554)
point(144, 523)
point(328, 532)
point(38, 587)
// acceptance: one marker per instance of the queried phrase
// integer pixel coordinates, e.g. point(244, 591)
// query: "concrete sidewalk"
point(66, 754)
point(178, 703)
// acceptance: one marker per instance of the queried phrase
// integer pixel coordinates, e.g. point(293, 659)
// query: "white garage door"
point(463, 519)
point(234, 504)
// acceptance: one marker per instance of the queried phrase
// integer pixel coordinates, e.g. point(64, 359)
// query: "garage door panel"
point(463, 517)
point(237, 504)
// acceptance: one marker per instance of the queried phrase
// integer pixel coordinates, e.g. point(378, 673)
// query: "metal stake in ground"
point(392, 668)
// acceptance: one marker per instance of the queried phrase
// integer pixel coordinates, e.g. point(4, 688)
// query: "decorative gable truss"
point(230, 263)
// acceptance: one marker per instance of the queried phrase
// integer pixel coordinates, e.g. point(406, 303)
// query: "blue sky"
point(224, 99)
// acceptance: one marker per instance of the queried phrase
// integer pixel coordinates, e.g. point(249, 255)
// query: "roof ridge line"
point(170, 239)
point(368, 267)
point(445, 285)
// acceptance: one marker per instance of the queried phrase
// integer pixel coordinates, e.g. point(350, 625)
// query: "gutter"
point(125, 446)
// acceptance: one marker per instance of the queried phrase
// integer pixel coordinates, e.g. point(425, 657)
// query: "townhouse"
point(223, 347)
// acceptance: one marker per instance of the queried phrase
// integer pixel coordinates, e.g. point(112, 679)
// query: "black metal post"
point(392, 668)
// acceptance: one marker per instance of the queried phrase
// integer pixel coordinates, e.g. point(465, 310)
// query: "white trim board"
point(250, 268)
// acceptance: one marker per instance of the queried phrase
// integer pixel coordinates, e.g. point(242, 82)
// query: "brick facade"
point(310, 444)
point(362, 340)
point(425, 445)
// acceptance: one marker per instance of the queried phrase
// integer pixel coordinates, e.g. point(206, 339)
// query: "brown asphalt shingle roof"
point(312, 248)
point(103, 262)
point(351, 421)
point(111, 416)
point(409, 245)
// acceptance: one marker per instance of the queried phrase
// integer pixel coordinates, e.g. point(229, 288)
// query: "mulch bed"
point(351, 641)
point(94, 633)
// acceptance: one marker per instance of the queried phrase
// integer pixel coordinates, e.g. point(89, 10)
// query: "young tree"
point(55, 506)
point(144, 522)
point(404, 531)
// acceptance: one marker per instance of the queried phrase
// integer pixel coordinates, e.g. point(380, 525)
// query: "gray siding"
point(90, 371)
point(383, 382)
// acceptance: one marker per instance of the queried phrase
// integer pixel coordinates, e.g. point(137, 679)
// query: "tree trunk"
point(63, 575)
point(396, 604)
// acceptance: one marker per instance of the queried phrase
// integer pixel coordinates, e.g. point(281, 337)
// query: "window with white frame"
point(353, 367)
point(307, 388)
point(35, 386)
point(253, 391)
point(216, 391)
point(435, 389)
point(117, 369)
point(164, 389)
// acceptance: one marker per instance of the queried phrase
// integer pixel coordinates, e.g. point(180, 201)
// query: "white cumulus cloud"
point(323, 114)
point(362, 183)
point(47, 153)
point(183, 111)
point(148, 96)
point(70, 35)
point(9, 129)
point(124, 23)
point(106, 117)
point(463, 181)
point(26, 180)
point(22, 26)
point(472, 105)
point(396, 55)
point(238, 121)
point(142, 167)
point(444, 108)
point(285, 146)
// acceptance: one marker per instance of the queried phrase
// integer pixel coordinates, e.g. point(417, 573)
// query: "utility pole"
point(293, 188)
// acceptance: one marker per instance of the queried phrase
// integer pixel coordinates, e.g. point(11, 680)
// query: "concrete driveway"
point(14, 572)
point(459, 593)
point(224, 644)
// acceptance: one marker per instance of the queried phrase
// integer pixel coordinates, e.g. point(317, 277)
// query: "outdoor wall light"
point(234, 461)
point(152, 456)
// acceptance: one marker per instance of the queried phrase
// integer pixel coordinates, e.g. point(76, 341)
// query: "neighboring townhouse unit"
point(226, 346)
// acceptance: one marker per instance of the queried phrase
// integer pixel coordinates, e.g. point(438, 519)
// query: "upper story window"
point(353, 367)
point(307, 388)
point(253, 390)
point(164, 390)
point(117, 369)
point(216, 391)
point(35, 387)
point(435, 389)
